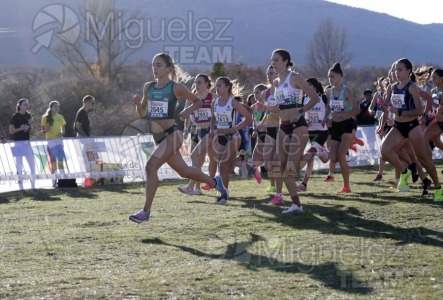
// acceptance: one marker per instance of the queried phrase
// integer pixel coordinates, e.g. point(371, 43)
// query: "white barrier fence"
point(35, 164)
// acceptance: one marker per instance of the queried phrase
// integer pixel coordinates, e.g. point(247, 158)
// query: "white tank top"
point(315, 115)
point(224, 115)
point(286, 95)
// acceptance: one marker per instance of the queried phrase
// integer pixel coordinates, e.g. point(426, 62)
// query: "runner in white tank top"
point(224, 129)
point(288, 93)
point(318, 132)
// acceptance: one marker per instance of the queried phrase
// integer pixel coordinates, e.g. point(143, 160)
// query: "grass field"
point(79, 244)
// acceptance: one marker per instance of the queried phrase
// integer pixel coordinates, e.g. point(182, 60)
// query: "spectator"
point(20, 128)
point(81, 123)
point(53, 127)
point(364, 117)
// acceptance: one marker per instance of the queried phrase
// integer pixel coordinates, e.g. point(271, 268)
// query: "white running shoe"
point(322, 153)
point(196, 192)
point(186, 190)
point(293, 209)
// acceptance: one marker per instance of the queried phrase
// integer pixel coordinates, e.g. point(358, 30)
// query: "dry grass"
point(79, 243)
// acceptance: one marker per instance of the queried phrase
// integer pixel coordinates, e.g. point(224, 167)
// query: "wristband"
point(301, 111)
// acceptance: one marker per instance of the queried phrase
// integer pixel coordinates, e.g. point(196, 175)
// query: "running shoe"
point(394, 185)
point(221, 201)
point(277, 200)
point(438, 197)
point(302, 187)
point(293, 209)
point(322, 153)
point(345, 189)
point(185, 190)
point(256, 175)
point(404, 180)
point(196, 192)
point(404, 189)
point(425, 186)
point(206, 187)
point(221, 188)
point(378, 177)
point(359, 142)
point(329, 178)
point(139, 217)
point(270, 189)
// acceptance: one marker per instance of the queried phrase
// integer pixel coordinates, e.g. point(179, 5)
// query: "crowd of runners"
point(281, 118)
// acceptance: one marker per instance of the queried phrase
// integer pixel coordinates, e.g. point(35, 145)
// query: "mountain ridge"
point(255, 30)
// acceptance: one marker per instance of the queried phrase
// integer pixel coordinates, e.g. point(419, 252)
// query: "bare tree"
point(104, 44)
point(328, 45)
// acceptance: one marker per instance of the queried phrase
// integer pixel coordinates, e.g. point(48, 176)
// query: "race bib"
point(337, 105)
point(271, 100)
point(436, 97)
point(282, 97)
point(398, 101)
point(158, 109)
point(313, 117)
point(378, 114)
point(202, 114)
point(224, 120)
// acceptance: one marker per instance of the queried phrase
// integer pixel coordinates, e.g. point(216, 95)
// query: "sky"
point(421, 12)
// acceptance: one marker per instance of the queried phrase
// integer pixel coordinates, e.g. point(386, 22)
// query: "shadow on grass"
point(327, 273)
point(362, 197)
point(382, 197)
point(339, 219)
point(37, 195)
point(53, 194)
point(46, 195)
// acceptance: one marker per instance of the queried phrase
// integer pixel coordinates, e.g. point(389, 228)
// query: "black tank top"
point(401, 98)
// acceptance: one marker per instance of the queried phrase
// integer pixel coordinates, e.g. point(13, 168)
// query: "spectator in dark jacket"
point(364, 117)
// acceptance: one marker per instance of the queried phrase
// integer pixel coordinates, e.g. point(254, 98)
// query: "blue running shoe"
point(139, 217)
point(221, 188)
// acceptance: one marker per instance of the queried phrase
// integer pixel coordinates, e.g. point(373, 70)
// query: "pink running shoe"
point(257, 176)
point(277, 200)
point(345, 189)
point(206, 187)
